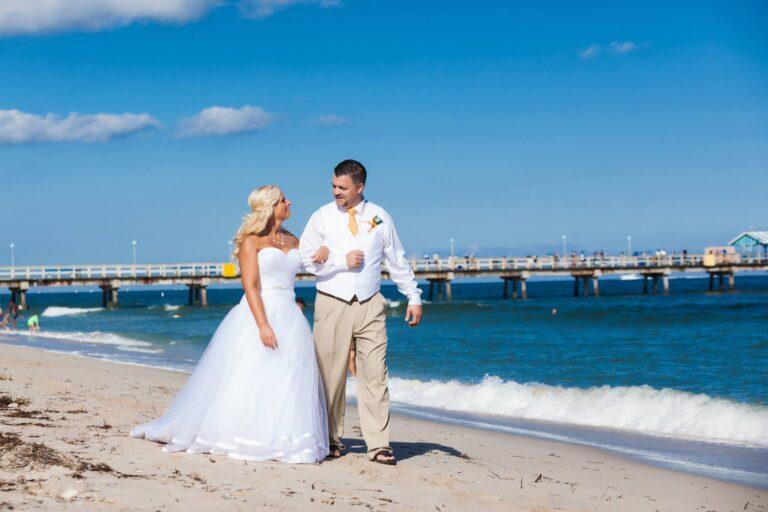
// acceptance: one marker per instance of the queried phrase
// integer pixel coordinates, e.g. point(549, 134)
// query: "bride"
point(256, 392)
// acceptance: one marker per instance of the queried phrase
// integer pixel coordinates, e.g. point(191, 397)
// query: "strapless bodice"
point(278, 269)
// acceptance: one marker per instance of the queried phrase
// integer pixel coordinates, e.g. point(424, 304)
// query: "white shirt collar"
point(360, 208)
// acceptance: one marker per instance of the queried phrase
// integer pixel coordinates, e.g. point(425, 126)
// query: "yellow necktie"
point(352, 221)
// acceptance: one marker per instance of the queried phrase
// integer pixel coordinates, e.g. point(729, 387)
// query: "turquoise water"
point(621, 369)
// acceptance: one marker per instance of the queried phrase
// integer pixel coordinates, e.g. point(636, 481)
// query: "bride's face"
point(282, 209)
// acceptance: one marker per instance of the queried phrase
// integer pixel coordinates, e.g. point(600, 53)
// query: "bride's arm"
point(249, 276)
point(315, 256)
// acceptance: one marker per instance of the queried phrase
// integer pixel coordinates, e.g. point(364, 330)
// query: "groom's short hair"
point(353, 169)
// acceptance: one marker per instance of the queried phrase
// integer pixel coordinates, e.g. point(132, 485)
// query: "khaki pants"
point(336, 325)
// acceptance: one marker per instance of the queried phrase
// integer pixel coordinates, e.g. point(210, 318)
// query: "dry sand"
point(65, 445)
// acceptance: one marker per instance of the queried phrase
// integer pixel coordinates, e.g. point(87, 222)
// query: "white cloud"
point(225, 121)
point(329, 120)
point(612, 48)
point(46, 16)
point(621, 47)
point(42, 16)
point(17, 127)
point(589, 51)
point(265, 8)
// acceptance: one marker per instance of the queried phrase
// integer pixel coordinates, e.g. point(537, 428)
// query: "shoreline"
point(740, 463)
point(441, 465)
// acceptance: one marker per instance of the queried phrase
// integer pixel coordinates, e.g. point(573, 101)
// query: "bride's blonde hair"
point(262, 202)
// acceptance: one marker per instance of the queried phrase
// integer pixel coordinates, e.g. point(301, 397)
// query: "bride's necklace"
point(279, 240)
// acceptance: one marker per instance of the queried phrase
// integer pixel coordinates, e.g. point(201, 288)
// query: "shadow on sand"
point(404, 451)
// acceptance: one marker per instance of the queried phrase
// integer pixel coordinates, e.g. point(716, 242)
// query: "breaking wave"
point(54, 311)
point(642, 409)
point(100, 338)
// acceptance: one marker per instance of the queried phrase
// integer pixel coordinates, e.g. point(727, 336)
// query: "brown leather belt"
point(351, 301)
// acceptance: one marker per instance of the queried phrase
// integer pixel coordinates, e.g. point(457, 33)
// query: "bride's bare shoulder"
point(253, 243)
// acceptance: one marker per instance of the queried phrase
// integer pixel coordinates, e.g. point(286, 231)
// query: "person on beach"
point(11, 314)
point(256, 393)
point(33, 323)
point(349, 306)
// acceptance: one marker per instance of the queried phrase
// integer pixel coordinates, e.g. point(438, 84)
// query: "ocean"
point(679, 380)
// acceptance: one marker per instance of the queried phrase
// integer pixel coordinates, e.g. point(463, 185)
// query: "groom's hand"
point(413, 315)
point(355, 258)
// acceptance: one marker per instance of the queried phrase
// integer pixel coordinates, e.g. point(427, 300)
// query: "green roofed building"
point(751, 242)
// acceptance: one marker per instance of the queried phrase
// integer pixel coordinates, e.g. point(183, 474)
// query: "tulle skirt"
point(247, 401)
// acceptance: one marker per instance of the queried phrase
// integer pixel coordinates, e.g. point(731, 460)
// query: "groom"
point(349, 307)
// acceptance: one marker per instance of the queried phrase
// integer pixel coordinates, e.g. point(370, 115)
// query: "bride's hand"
point(268, 338)
point(321, 255)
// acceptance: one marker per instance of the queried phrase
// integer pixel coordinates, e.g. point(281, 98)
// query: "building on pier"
point(751, 241)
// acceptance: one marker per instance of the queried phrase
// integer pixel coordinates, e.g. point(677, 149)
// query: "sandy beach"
point(64, 444)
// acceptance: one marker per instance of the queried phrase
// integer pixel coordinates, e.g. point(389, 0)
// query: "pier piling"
point(109, 294)
point(721, 274)
point(19, 295)
point(585, 276)
point(198, 293)
point(514, 279)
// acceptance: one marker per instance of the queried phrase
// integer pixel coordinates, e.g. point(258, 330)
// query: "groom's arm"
point(311, 240)
point(400, 270)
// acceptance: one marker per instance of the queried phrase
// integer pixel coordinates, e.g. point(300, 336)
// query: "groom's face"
point(346, 192)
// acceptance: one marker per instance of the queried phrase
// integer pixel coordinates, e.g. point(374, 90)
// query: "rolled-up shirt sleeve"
point(310, 241)
point(400, 270)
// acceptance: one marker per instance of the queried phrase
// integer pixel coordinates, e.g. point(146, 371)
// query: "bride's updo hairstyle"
point(262, 202)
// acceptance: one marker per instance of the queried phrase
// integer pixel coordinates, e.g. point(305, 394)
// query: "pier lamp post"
point(133, 246)
point(229, 250)
point(629, 245)
point(453, 247)
point(565, 246)
point(13, 260)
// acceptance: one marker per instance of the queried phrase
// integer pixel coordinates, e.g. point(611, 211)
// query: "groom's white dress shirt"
point(329, 226)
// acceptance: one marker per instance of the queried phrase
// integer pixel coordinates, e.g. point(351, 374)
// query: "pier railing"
point(555, 264)
point(462, 265)
point(89, 272)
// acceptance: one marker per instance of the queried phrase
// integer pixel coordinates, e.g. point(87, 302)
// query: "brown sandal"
point(384, 456)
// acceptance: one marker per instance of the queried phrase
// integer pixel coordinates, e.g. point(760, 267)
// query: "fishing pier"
point(439, 273)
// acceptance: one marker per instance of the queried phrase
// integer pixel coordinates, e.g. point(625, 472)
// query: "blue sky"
point(504, 125)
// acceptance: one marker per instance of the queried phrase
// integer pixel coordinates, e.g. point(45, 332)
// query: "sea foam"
point(641, 409)
point(100, 338)
point(54, 311)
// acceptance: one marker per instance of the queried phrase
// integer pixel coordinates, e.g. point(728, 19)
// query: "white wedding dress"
point(248, 401)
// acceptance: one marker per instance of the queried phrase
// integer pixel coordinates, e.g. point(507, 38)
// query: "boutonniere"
point(375, 221)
